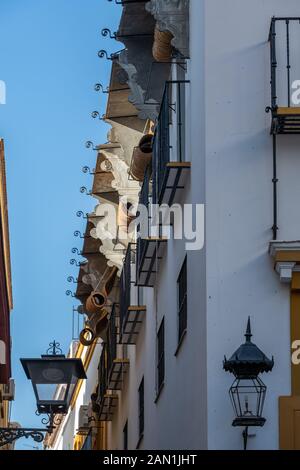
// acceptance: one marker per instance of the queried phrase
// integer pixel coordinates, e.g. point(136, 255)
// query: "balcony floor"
point(116, 376)
point(149, 265)
point(286, 121)
point(132, 324)
point(174, 182)
point(108, 406)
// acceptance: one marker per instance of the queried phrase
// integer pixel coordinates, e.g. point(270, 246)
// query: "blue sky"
point(48, 60)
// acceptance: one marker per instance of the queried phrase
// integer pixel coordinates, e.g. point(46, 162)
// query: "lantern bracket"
point(9, 435)
point(246, 436)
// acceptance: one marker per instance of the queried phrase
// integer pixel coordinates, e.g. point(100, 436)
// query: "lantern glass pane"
point(46, 392)
point(247, 396)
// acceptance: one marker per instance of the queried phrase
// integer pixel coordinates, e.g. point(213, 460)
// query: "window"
point(182, 301)
point(141, 408)
point(161, 355)
point(125, 436)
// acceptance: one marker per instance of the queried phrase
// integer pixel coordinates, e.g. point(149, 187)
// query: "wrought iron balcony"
point(285, 72)
point(149, 248)
point(117, 365)
point(107, 400)
point(112, 369)
point(170, 167)
point(131, 312)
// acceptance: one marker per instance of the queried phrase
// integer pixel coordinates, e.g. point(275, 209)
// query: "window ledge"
point(180, 342)
point(159, 392)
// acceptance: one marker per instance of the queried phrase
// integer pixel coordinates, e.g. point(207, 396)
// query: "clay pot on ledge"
point(95, 302)
point(162, 47)
point(98, 298)
point(95, 328)
point(141, 157)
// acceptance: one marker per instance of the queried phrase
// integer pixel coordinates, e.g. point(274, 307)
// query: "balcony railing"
point(149, 248)
point(107, 399)
point(117, 365)
point(285, 71)
point(112, 369)
point(170, 167)
point(131, 312)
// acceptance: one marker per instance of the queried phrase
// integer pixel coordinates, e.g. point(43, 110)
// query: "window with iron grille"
point(141, 408)
point(161, 355)
point(182, 300)
point(125, 436)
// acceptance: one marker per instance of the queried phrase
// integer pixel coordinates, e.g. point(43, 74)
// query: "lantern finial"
point(248, 334)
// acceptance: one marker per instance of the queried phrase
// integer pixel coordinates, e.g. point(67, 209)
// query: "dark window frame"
point(125, 436)
point(160, 366)
point(182, 301)
point(141, 394)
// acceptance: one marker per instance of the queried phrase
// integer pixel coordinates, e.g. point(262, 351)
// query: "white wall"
point(230, 149)
point(240, 277)
point(179, 418)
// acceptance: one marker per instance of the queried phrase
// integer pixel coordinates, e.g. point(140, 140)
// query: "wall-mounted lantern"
point(53, 378)
point(248, 391)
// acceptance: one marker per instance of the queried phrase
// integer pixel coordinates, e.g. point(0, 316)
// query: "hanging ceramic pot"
point(162, 47)
point(141, 157)
point(98, 298)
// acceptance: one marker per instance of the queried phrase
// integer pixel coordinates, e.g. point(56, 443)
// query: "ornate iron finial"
point(103, 53)
point(248, 334)
point(84, 190)
point(72, 279)
point(86, 169)
point(122, 2)
point(75, 251)
point(70, 293)
point(77, 264)
point(100, 87)
point(54, 349)
point(77, 233)
point(96, 114)
point(81, 214)
point(107, 32)
point(89, 144)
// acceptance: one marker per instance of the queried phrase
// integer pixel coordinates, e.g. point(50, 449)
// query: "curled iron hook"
point(100, 87)
point(107, 32)
point(70, 293)
point(96, 114)
point(89, 144)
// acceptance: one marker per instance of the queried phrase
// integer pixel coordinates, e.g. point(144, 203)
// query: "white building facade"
point(190, 304)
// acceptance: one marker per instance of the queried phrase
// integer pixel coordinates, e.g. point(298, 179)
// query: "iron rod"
point(179, 122)
point(275, 194)
point(288, 66)
point(273, 65)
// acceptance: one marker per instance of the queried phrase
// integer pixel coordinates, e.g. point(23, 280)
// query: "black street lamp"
point(54, 378)
point(248, 391)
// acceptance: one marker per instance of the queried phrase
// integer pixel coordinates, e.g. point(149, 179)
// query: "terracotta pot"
point(141, 158)
point(146, 143)
point(162, 47)
point(95, 328)
point(97, 299)
point(95, 302)
point(125, 216)
point(83, 337)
